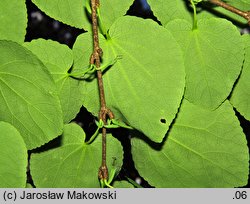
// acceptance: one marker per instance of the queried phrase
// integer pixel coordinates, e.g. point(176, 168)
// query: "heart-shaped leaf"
point(75, 164)
point(213, 56)
point(145, 87)
point(203, 149)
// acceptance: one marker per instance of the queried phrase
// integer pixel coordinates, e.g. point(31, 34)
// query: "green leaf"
point(122, 184)
point(58, 59)
point(111, 10)
point(75, 164)
point(74, 13)
point(165, 11)
point(203, 149)
point(213, 57)
point(28, 96)
point(13, 157)
point(241, 93)
point(71, 12)
point(13, 20)
point(145, 87)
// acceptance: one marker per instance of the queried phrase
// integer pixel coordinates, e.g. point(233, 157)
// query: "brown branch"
point(244, 14)
point(104, 111)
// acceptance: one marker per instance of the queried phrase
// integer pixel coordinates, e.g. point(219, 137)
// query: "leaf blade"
point(159, 71)
point(69, 12)
point(13, 159)
point(11, 28)
point(203, 149)
point(27, 96)
point(166, 11)
point(74, 12)
point(58, 59)
point(240, 96)
point(69, 165)
point(213, 57)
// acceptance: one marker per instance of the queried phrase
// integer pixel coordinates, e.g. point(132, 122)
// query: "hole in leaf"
point(163, 120)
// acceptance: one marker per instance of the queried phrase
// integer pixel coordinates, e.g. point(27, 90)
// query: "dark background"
point(42, 26)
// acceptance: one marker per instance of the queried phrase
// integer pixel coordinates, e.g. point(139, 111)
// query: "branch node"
point(103, 172)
